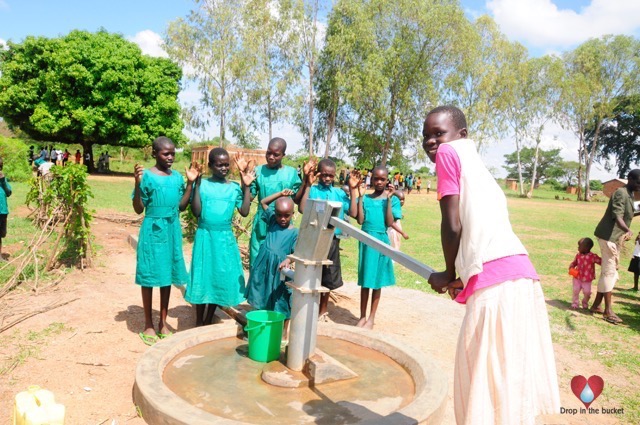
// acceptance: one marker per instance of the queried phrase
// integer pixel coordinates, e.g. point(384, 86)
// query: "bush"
point(595, 185)
point(554, 184)
point(14, 152)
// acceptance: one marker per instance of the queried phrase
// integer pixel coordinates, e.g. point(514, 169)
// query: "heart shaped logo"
point(587, 390)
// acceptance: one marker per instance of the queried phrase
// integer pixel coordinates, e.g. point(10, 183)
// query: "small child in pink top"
point(585, 263)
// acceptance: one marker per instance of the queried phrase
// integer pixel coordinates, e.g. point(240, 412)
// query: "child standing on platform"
point(266, 291)
point(160, 193)
point(395, 231)
point(325, 175)
point(376, 212)
point(217, 277)
point(634, 266)
point(5, 192)
point(585, 264)
point(273, 177)
point(504, 367)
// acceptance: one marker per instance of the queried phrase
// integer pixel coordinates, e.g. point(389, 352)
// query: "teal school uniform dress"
point(269, 181)
point(5, 192)
point(160, 261)
point(265, 290)
point(374, 269)
point(216, 274)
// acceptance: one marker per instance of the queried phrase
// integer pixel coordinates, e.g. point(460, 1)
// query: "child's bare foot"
point(164, 331)
point(361, 322)
point(369, 324)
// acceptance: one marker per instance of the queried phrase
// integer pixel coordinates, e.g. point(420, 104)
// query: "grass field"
point(550, 230)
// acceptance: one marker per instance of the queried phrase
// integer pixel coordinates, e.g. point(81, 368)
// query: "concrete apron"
point(159, 405)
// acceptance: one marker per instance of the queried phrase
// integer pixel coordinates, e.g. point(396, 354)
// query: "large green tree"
point(396, 51)
point(534, 162)
point(620, 137)
point(89, 88)
point(209, 44)
point(598, 73)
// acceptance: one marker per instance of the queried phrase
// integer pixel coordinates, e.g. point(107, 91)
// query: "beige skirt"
point(505, 368)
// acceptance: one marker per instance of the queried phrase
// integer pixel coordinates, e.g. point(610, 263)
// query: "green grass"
point(29, 344)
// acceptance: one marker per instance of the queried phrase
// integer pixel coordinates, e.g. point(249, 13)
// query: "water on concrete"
point(219, 377)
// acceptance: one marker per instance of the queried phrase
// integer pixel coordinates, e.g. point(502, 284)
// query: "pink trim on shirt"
point(498, 271)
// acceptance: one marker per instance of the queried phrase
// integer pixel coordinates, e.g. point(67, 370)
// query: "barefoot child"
point(271, 178)
point(634, 265)
point(325, 174)
point(505, 368)
point(395, 230)
point(5, 192)
point(585, 263)
point(265, 290)
point(159, 193)
point(376, 212)
point(217, 277)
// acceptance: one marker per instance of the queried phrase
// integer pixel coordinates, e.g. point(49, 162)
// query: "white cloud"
point(150, 43)
point(541, 23)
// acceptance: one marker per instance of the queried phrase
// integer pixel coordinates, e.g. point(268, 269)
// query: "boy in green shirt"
point(5, 192)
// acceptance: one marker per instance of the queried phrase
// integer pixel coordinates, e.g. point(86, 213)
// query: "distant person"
point(612, 231)
point(160, 193)
point(418, 183)
point(30, 155)
point(107, 160)
point(78, 156)
point(428, 186)
point(634, 266)
point(43, 154)
point(583, 270)
point(395, 231)
point(266, 291)
point(409, 183)
point(65, 157)
point(5, 192)
point(87, 159)
point(54, 156)
point(505, 371)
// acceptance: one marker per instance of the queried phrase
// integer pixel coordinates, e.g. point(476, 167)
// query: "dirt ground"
point(90, 364)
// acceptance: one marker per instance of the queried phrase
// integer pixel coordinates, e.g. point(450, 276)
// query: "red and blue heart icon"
point(587, 390)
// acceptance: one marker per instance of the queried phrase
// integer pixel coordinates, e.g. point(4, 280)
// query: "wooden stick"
point(36, 312)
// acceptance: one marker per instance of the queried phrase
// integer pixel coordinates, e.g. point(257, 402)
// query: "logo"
point(587, 390)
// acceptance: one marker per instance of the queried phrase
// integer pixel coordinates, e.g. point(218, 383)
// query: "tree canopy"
point(548, 164)
point(89, 88)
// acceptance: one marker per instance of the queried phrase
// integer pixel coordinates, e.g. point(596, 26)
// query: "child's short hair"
point(217, 152)
point(589, 242)
point(326, 162)
point(381, 167)
point(457, 116)
point(161, 141)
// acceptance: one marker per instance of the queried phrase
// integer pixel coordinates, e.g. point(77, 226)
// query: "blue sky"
point(543, 26)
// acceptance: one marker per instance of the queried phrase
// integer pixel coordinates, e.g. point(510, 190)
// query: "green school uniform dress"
point(265, 290)
point(5, 192)
point(269, 181)
point(216, 267)
point(375, 270)
point(159, 255)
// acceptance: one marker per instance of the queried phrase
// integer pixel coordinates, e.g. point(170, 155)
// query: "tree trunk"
point(589, 160)
point(269, 113)
point(87, 147)
point(311, 62)
point(535, 163)
point(330, 131)
point(519, 165)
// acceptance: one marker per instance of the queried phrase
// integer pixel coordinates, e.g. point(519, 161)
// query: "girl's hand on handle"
point(286, 264)
point(439, 281)
point(405, 236)
point(454, 288)
point(287, 192)
point(137, 173)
